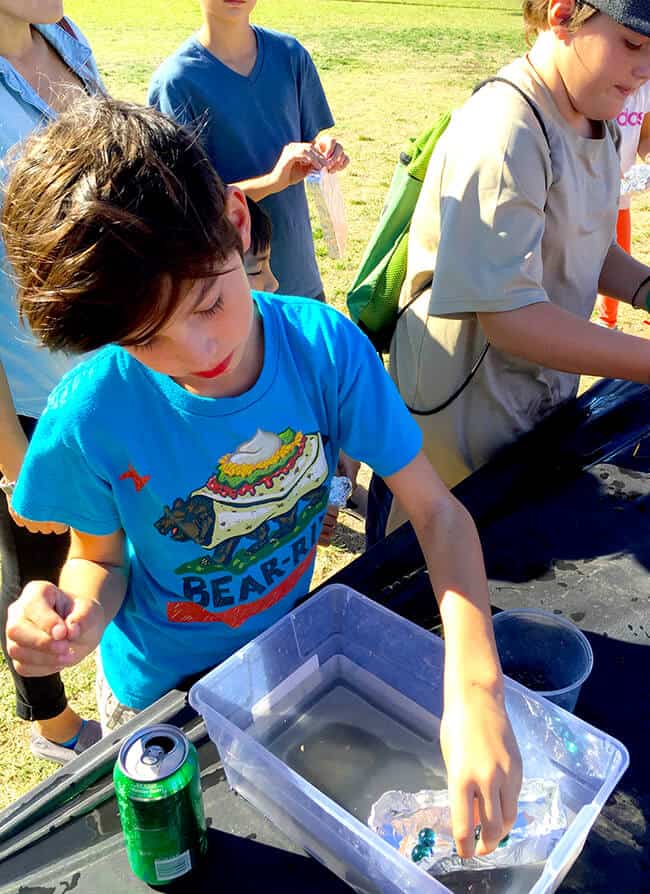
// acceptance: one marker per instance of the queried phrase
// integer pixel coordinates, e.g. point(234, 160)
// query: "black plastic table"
point(564, 517)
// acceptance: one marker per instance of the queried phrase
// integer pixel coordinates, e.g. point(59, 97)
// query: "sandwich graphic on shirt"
point(266, 490)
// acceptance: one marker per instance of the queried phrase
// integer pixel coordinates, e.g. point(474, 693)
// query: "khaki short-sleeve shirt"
point(505, 219)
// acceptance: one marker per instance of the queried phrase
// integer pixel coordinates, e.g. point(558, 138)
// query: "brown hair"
point(261, 227)
point(108, 213)
point(536, 17)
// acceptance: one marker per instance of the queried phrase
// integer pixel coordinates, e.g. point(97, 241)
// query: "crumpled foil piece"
point(398, 818)
point(340, 491)
point(636, 179)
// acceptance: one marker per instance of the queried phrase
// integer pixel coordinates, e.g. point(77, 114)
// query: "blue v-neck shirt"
point(245, 122)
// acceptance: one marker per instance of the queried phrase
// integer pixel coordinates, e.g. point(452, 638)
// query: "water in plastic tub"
point(355, 738)
point(339, 702)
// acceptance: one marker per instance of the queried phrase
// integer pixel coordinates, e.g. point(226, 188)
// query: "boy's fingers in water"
point(491, 821)
point(463, 819)
point(509, 796)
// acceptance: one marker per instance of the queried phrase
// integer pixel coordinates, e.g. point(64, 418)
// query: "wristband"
point(645, 283)
point(7, 487)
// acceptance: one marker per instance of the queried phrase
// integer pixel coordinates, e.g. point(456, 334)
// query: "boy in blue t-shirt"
point(258, 102)
point(192, 454)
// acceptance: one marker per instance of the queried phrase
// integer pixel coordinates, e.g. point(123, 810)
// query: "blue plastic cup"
point(544, 652)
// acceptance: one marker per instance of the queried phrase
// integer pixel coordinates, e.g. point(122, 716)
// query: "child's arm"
point(553, 337)
point(13, 446)
point(621, 276)
point(483, 762)
point(296, 161)
point(50, 628)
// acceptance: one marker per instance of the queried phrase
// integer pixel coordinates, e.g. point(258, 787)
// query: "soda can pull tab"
point(153, 755)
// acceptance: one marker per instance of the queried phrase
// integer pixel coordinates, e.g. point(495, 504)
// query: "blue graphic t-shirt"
point(221, 499)
point(245, 121)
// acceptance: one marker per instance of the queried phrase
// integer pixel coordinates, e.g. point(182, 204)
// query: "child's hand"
point(48, 630)
point(335, 157)
point(483, 769)
point(329, 526)
point(296, 161)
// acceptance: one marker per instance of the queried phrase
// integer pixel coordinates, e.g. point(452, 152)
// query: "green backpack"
point(373, 298)
point(374, 295)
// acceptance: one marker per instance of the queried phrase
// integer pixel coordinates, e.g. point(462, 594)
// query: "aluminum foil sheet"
point(419, 826)
point(340, 491)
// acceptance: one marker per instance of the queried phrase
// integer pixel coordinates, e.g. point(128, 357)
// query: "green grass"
point(388, 68)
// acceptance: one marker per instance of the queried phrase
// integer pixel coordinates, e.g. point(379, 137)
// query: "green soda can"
point(158, 794)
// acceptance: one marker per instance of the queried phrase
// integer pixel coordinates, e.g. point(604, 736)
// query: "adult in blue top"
point(45, 64)
point(257, 99)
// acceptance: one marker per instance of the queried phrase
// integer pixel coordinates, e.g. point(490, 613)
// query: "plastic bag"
point(636, 179)
point(419, 826)
point(326, 194)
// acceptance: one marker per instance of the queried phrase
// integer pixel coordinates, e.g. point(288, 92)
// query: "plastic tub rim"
point(560, 620)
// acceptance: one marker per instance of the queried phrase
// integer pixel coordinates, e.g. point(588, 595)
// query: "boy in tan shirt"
point(517, 228)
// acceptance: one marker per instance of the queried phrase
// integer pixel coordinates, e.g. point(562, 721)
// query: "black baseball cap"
point(634, 14)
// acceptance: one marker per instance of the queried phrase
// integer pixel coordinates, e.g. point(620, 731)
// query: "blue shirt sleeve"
point(374, 424)
point(315, 114)
point(57, 483)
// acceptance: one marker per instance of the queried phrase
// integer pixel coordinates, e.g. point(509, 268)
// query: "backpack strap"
point(459, 390)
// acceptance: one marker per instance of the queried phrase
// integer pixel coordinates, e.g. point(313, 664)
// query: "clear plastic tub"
point(344, 695)
point(545, 652)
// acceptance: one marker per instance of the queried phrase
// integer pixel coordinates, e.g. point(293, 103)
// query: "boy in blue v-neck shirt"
point(258, 102)
point(192, 454)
